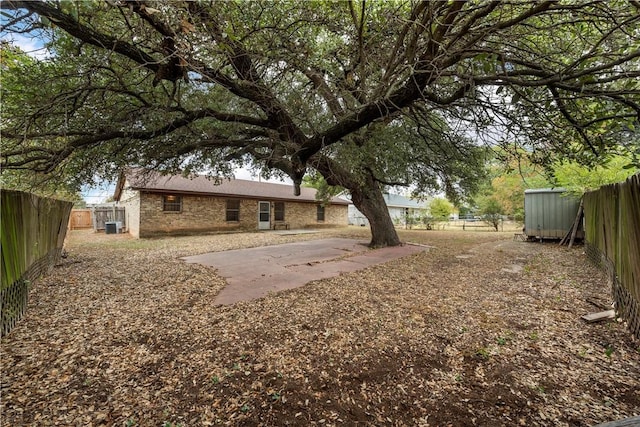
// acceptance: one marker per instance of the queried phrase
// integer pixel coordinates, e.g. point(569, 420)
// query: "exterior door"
point(264, 215)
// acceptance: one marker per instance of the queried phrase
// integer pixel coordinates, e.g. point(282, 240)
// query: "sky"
point(34, 46)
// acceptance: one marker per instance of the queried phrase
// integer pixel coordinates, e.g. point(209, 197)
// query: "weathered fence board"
point(32, 233)
point(612, 227)
point(108, 214)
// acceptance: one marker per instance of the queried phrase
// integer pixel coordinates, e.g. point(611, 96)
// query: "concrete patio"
point(253, 273)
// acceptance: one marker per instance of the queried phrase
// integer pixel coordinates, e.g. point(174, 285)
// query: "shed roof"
point(202, 185)
point(545, 190)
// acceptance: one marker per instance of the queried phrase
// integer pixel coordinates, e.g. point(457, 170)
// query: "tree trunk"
point(366, 195)
point(370, 202)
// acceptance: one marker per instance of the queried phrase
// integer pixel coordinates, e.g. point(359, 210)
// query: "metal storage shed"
point(549, 213)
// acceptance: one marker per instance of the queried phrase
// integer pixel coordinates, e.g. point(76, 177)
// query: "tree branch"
point(565, 113)
point(84, 33)
point(57, 156)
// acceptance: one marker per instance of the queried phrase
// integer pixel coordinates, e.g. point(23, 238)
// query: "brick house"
point(160, 205)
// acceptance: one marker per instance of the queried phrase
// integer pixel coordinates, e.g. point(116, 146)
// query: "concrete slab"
point(253, 273)
point(294, 231)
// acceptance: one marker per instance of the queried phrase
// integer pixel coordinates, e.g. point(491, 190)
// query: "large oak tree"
point(366, 94)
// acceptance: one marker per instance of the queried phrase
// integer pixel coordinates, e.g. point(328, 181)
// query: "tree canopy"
point(364, 93)
point(512, 175)
point(577, 179)
point(440, 209)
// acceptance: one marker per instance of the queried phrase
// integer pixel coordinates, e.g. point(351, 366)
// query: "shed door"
point(264, 215)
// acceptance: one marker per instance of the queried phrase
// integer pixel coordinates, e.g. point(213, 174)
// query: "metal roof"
point(545, 190)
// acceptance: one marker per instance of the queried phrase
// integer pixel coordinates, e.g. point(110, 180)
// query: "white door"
point(264, 215)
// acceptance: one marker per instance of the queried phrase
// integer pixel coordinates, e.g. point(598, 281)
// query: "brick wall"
point(304, 215)
point(208, 213)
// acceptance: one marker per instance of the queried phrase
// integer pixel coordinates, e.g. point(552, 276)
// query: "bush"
point(491, 212)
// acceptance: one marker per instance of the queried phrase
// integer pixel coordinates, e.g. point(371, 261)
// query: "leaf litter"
point(123, 332)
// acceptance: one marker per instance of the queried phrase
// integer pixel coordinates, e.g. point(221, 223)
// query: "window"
point(320, 213)
point(233, 210)
point(278, 211)
point(172, 203)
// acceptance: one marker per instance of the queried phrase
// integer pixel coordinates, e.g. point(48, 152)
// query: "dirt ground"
point(478, 330)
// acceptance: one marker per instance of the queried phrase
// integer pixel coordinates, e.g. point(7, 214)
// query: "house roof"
point(398, 201)
point(201, 185)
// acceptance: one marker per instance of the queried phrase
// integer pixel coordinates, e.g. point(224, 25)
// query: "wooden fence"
point(95, 218)
point(80, 218)
point(108, 214)
point(612, 233)
point(32, 233)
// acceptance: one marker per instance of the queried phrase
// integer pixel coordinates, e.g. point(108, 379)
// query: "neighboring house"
point(399, 208)
point(157, 205)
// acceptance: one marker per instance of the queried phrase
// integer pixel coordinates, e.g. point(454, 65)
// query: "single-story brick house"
point(157, 205)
